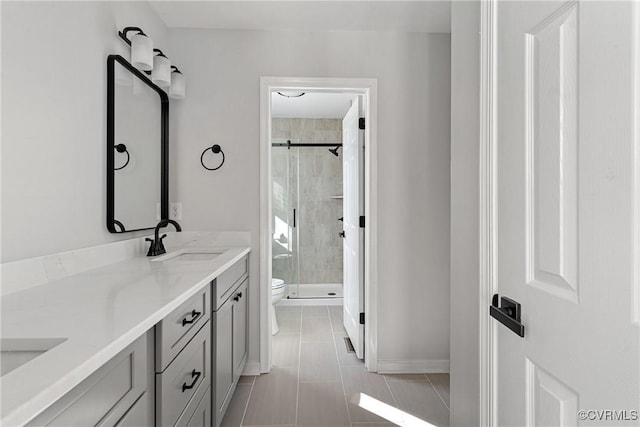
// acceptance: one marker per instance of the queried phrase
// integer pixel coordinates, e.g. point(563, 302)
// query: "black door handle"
point(342, 234)
point(508, 313)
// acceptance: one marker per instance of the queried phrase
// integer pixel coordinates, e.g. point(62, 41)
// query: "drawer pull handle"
point(194, 316)
point(195, 375)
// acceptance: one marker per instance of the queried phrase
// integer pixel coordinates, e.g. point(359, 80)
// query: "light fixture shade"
point(178, 87)
point(142, 52)
point(161, 74)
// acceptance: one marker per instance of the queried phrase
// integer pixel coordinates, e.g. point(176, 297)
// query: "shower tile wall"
point(320, 178)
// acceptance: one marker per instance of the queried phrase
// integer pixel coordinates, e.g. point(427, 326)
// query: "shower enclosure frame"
point(290, 224)
point(368, 88)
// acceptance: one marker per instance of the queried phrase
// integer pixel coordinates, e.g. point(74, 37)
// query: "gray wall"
point(315, 176)
point(54, 101)
point(413, 71)
point(465, 221)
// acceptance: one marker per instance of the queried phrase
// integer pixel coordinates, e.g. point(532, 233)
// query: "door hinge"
point(361, 221)
point(362, 318)
point(361, 123)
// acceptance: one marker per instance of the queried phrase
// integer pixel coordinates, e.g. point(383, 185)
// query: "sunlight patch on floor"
point(388, 412)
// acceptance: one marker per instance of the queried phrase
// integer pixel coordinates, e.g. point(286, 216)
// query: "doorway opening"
point(307, 199)
point(306, 256)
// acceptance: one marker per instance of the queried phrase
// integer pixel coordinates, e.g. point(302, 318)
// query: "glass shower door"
point(285, 242)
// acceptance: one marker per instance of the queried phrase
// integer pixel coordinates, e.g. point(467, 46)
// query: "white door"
point(353, 196)
point(567, 212)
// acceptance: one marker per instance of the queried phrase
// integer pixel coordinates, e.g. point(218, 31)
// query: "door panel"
point(240, 329)
point(551, 112)
point(565, 209)
point(353, 300)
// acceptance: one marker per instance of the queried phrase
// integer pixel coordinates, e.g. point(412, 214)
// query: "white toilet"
point(277, 292)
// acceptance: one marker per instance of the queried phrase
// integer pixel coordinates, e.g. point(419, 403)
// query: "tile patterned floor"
point(314, 379)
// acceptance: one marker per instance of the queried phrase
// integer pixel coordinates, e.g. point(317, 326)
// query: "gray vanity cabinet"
point(120, 393)
point(230, 321)
point(165, 377)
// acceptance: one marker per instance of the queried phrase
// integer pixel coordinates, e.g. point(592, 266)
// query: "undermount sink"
point(15, 352)
point(191, 255)
point(196, 256)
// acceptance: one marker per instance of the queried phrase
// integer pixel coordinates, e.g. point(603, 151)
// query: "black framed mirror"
point(137, 149)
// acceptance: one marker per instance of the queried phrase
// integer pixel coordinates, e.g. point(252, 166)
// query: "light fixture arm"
point(159, 52)
point(123, 33)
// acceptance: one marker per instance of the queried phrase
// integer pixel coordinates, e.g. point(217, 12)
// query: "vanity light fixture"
point(154, 62)
point(141, 48)
point(178, 84)
point(161, 74)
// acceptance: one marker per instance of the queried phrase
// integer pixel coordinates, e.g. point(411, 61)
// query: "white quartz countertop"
point(98, 312)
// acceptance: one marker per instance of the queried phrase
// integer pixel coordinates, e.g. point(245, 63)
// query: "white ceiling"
point(311, 106)
point(428, 16)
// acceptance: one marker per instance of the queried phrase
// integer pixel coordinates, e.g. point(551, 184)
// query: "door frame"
point(488, 208)
point(368, 88)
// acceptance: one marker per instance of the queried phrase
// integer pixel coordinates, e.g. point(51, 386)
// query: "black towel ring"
point(121, 148)
point(215, 149)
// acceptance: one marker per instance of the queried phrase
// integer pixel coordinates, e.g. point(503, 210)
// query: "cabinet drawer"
point(186, 378)
point(227, 281)
point(175, 330)
point(197, 414)
point(108, 394)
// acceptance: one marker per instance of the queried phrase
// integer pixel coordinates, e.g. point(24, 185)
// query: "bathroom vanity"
point(140, 342)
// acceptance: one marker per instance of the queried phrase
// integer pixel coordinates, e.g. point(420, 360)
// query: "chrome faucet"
point(157, 247)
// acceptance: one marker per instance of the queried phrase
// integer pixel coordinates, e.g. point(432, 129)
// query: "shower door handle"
point(294, 218)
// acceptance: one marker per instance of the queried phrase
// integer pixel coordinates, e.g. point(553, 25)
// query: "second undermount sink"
point(191, 255)
point(15, 352)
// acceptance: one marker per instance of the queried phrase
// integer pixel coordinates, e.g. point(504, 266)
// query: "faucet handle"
point(152, 247)
point(160, 249)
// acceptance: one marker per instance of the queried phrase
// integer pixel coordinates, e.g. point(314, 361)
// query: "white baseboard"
point(413, 366)
point(291, 302)
point(252, 367)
